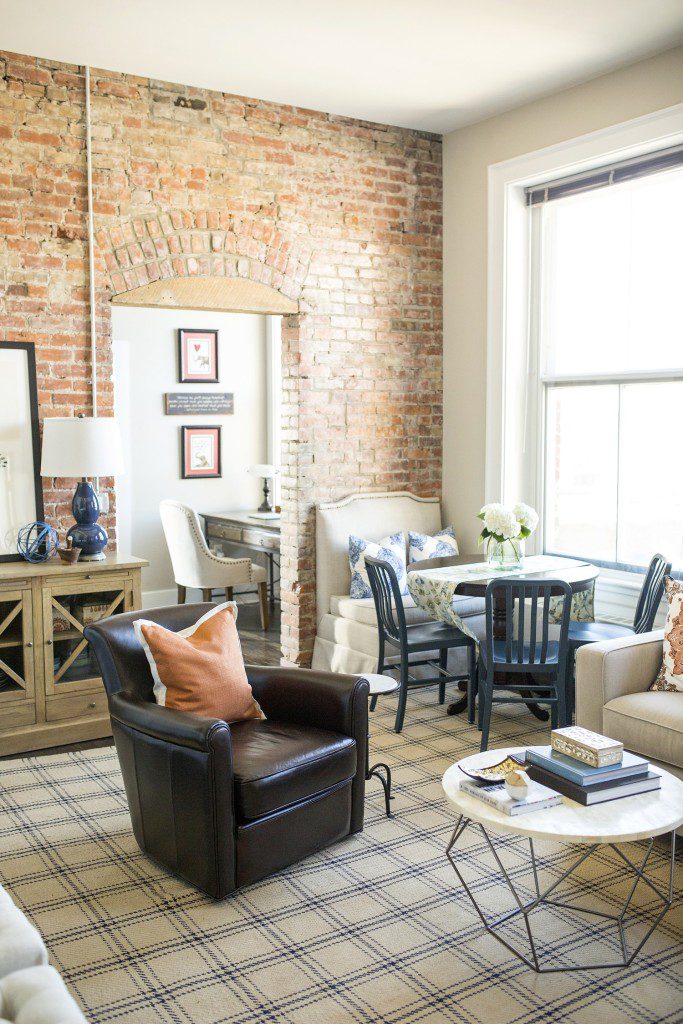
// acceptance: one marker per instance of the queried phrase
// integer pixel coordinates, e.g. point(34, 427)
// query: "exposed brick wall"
point(340, 215)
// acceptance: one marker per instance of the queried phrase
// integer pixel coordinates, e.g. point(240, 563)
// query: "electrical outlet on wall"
point(103, 500)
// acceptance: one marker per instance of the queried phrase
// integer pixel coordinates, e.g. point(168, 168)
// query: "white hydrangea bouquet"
point(505, 528)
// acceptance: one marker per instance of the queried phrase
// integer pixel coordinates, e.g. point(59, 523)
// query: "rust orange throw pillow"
point(201, 669)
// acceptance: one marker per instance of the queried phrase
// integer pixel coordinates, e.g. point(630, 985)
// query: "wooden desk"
point(240, 529)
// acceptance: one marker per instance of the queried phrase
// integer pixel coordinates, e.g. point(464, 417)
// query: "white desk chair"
point(195, 565)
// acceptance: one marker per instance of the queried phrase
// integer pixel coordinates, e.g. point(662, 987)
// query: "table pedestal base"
point(524, 908)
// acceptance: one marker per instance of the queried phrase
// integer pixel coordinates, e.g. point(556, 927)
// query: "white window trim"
point(508, 309)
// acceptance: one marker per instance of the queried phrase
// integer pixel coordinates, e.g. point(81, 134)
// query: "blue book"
point(581, 774)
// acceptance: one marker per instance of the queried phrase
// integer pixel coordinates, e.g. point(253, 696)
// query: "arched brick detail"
point(182, 243)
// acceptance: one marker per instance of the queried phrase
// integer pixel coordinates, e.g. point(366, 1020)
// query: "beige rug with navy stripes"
point(375, 929)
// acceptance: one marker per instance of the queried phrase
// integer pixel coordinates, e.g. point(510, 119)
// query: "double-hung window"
point(607, 324)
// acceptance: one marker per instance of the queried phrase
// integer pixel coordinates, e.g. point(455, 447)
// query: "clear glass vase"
point(504, 554)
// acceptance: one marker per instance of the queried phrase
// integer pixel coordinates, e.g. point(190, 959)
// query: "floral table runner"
point(433, 590)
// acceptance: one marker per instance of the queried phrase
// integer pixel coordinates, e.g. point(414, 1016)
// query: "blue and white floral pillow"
point(441, 545)
point(391, 549)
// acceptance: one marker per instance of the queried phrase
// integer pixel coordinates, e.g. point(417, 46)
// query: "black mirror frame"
point(35, 430)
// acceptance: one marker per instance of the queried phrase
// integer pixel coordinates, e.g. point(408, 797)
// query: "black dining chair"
point(581, 633)
point(419, 638)
point(532, 664)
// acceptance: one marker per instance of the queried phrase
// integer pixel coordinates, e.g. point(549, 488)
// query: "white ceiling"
point(430, 64)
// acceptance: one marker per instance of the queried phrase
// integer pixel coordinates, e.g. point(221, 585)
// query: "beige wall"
point(620, 96)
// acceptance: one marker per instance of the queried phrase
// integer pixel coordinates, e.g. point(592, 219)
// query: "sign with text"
point(188, 403)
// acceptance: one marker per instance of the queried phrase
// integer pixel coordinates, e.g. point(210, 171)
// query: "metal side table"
point(379, 685)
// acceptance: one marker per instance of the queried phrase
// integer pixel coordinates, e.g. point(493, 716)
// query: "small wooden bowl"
point(69, 555)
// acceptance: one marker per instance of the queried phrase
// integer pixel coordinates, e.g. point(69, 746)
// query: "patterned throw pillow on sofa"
point(441, 545)
point(391, 549)
point(671, 673)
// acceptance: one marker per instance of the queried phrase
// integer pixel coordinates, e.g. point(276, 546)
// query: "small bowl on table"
point(69, 554)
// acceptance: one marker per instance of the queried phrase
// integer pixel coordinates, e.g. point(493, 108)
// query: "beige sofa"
point(31, 992)
point(612, 697)
point(346, 636)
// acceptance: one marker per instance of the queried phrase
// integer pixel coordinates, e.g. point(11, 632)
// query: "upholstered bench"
point(346, 635)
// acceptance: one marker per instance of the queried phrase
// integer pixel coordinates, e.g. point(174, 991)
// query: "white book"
point(538, 798)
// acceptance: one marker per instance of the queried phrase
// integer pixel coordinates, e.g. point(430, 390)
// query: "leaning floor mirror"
point(21, 493)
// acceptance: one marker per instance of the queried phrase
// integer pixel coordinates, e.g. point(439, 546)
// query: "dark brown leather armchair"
point(224, 805)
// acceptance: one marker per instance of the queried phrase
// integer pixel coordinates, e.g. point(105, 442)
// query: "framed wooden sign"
point(199, 403)
point(197, 356)
point(200, 452)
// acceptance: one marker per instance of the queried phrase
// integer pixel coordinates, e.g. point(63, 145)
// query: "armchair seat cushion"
point(276, 764)
point(649, 723)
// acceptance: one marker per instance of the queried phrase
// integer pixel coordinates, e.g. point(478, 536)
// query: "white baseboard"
point(162, 598)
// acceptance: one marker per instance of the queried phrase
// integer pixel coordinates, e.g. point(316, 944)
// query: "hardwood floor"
point(258, 648)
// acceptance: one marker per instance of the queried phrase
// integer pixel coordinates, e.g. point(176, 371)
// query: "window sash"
point(540, 384)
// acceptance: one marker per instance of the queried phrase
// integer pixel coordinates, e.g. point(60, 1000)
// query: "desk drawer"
point(261, 539)
point(224, 532)
point(76, 705)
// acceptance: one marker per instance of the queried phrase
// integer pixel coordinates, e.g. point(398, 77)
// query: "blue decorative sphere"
point(37, 542)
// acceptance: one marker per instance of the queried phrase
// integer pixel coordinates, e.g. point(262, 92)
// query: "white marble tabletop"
point(380, 684)
point(616, 821)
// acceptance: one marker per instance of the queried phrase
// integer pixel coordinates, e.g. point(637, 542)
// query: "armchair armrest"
point(178, 774)
point(166, 724)
point(328, 700)
point(614, 668)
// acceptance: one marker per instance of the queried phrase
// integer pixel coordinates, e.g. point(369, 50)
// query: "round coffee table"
point(618, 821)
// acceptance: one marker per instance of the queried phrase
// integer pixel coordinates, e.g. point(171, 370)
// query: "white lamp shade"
point(264, 470)
point(81, 446)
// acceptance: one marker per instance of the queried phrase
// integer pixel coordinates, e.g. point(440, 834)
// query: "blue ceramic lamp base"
point(87, 534)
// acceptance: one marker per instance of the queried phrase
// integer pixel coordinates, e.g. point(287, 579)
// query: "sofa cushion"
point(37, 995)
point(671, 673)
point(649, 723)
point(422, 546)
point(20, 943)
point(390, 549)
point(276, 764)
point(364, 610)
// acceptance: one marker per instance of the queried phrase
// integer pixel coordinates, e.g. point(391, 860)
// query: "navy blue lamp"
point(83, 446)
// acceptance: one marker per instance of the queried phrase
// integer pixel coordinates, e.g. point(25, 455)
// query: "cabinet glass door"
point(70, 663)
point(16, 643)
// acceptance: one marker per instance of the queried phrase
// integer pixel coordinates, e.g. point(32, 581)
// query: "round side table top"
point(616, 821)
point(380, 684)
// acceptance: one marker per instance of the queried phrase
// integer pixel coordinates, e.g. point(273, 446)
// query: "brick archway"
point(156, 258)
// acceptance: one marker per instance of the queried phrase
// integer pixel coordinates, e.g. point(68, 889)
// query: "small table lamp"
point(84, 446)
point(267, 472)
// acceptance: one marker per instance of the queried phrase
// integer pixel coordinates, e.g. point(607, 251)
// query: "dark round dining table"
point(578, 574)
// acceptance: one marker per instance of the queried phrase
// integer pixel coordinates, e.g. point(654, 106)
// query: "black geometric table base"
point(542, 898)
point(385, 779)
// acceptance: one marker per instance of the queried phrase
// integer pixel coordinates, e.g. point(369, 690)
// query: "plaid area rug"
point(375, 929)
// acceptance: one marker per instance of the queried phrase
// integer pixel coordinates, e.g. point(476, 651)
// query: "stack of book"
point(538, 798)
point(589, 768)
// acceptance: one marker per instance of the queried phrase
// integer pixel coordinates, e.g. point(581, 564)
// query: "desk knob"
point(49, 643)
point(29, 643)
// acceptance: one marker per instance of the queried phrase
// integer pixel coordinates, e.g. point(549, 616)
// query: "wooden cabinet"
point(50, 689)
